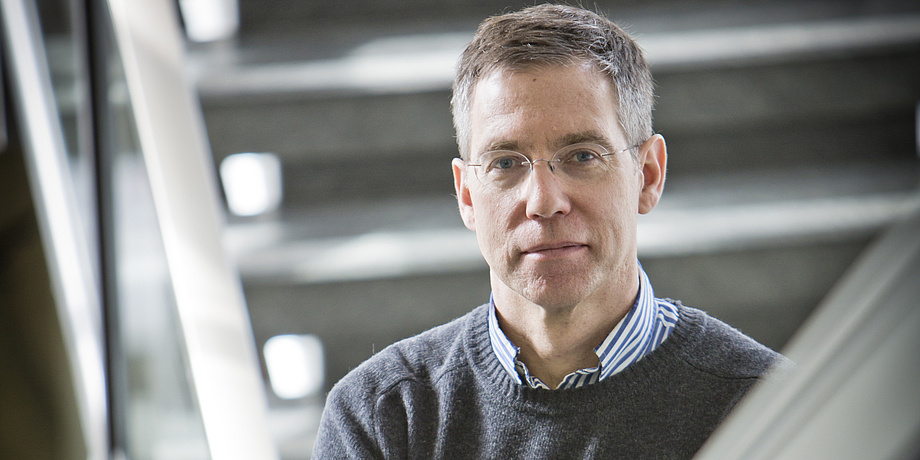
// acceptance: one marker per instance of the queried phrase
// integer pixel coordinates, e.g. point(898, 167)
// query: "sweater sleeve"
point(379, 412)
point(387, 407)
point(347, 428)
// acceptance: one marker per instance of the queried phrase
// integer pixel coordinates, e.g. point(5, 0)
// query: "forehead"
point(544, 107)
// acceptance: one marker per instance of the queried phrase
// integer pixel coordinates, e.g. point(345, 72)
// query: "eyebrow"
point(503, 145)
point(594, 137)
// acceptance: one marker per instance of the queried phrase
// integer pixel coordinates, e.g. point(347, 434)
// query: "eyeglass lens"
point(578, 163)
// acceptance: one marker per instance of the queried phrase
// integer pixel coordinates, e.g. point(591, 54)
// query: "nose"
point(544, 193)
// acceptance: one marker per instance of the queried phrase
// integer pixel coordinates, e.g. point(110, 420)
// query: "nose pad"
point(540, 182)
point(549, 164)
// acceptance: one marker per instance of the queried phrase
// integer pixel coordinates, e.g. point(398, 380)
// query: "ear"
point(653, 158)
point(463, 193)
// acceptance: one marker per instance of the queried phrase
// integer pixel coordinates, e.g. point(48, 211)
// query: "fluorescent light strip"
point(426, 62)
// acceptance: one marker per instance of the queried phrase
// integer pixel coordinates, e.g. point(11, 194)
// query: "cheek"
point(500, 227)
point(493, 223)
point(613, 215)
point(623, 195)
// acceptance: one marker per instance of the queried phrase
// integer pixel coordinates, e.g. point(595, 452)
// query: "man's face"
point(555, 243)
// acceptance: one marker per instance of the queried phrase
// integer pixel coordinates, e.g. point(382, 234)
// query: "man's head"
point(554, 35)
point(552, 180)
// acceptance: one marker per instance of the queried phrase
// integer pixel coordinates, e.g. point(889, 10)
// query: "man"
point(573, 357)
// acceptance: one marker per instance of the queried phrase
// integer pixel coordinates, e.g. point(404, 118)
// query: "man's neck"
point(556, 342)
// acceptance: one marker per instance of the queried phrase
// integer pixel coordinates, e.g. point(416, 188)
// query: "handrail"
point(209, 297)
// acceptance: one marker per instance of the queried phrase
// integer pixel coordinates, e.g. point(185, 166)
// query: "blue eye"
point(583, 156)
point(580, 156)
point(505, 163)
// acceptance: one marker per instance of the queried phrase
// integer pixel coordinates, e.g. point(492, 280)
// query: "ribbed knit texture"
point(443, 394)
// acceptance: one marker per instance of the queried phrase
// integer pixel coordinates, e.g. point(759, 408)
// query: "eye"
point(506, 163)
point(581, 156)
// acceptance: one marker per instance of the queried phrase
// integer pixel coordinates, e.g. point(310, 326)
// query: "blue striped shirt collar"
point(646, 326)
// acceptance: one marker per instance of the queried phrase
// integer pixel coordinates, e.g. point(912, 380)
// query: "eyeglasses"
point(576, 164)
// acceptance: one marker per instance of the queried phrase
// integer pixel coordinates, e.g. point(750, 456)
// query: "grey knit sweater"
point(443, 394)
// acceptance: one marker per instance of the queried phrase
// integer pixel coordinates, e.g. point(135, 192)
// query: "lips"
point(554, 249)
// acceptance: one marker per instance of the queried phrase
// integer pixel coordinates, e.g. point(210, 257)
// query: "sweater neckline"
point(501, 389)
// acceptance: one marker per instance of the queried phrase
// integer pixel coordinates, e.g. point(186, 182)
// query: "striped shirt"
point(644, 328)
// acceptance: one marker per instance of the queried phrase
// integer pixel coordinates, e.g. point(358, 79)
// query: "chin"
point(556, 294)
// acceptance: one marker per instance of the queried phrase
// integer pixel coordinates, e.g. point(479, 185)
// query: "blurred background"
point(327, 138)
point(791, 132)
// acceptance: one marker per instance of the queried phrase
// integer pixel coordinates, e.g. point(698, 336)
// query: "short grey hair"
point(556, 35)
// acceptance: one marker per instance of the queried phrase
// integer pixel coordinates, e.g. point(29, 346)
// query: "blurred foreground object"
point(854, 392)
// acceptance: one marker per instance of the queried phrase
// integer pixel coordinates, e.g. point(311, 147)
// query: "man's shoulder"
point(369, 406)
point(418, 359)
point(714, 347)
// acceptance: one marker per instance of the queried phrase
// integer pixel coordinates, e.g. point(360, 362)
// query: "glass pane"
point(64, 49)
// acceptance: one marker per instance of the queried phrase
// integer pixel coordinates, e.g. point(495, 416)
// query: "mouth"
point(552, 250)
